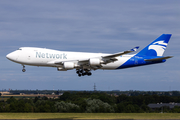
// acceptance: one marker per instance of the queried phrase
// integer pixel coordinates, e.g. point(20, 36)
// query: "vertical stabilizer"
point(157, 47)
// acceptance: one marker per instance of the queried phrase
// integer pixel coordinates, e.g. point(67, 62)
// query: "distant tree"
point(176, 109)
point(20, 105)
point(107, 98)
point(65, 96)
point(121, 107)
point(66, 107)
point(11, 100)
point(13, 107)
point(28, 107)
point(145, 108)
point(36, 99)
point(4, 107)
point(96, 106)
point(81, 102)
point(43, 106)
point(122, 98)
point(44, 98)
point(130, 109)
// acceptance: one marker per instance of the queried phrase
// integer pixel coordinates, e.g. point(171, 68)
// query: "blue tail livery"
point(151, 54)
point(157, 47)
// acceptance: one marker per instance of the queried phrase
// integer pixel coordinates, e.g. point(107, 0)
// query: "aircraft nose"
point(11, 56)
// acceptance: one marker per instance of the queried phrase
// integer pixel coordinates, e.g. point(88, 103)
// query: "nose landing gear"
point(23, 70)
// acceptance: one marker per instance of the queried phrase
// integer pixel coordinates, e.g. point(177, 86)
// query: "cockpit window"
point(19, 49)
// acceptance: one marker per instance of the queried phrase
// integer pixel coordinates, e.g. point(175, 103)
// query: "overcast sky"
point(105, 26)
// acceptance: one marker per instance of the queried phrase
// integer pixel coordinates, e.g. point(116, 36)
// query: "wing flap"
point(104, 59)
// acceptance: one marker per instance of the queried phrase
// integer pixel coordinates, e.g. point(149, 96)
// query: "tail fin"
point(157, 47)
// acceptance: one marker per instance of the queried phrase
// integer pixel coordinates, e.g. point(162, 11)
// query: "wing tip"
point(135, 48)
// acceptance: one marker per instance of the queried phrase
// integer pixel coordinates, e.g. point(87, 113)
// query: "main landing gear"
point(82, 72)
point(23, 70)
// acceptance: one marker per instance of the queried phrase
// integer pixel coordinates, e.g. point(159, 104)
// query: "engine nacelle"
point(68, 65)
point(61, 69)
point(94, 62)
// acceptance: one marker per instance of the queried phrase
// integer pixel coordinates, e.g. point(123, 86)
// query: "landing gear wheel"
point(24, 70)
point(89, 74)
point(83, 72)
point(77, 72)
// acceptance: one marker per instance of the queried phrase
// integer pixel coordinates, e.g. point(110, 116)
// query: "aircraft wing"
point(99, 60)
point(111, 57)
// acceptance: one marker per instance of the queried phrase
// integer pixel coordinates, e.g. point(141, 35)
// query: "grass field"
point(89, 116)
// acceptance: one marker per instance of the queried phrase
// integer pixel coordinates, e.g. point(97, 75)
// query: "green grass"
point(89, 116)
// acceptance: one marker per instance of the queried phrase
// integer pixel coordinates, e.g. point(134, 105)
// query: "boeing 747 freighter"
point(85, 62)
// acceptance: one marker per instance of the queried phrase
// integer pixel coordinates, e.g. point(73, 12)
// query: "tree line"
point(85, 102)
point(117, 92)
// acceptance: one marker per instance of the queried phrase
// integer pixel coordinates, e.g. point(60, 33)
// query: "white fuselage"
point(47, 57)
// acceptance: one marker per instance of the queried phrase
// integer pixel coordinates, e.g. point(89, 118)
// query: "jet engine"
point(68, 65)
point(94, 62)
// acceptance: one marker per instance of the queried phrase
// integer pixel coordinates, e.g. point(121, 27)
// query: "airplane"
point(85, 62)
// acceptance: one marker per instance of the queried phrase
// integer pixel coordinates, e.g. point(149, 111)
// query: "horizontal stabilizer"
point(158, 59)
